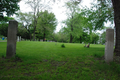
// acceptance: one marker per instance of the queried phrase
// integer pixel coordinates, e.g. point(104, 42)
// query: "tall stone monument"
point(11, 38)
point(109, 45)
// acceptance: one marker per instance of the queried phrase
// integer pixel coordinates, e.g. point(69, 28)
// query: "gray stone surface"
point(11, 39)
point(109, 45)
point(18, 39)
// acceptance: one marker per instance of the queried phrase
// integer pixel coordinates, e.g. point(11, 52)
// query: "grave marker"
point(109, 45)
point(11, 39)
point(18, 39)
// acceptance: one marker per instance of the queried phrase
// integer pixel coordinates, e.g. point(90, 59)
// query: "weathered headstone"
point(41, 40)
point(109, 45)
point(11, 38)
point(18, 39)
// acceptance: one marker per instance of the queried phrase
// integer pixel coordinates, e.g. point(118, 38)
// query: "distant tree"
point(46, 23)
point(36, 6)
point(62, 36)
point(95, 38)
point(22, 31)
point(4, 26)
point(84, 37)
point(102, 37)
point(73, 21)
point(4, 29)
point(53, 37)
point(27, 21)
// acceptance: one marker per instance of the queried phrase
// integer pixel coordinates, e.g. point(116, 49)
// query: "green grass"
point(48, 61)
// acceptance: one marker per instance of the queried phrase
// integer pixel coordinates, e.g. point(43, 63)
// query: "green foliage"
point(25, 18)
point(8, 6)
point(26, 23)
point(4, 29)
point(95, 38)
point(73, 22)
point(37, 6)
point(6, 19)
point(61, 36)
point(99, 13)
point(22, 31)
point(4, 25)
point(85, 37)
point(102, 38)
point(46, 24)
point(63, 46)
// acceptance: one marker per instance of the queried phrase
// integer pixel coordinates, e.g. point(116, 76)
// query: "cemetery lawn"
point(47, 61)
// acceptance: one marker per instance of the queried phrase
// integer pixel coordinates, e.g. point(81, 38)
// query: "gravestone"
point(109, 45)
point(18, 39)
point(11, 38)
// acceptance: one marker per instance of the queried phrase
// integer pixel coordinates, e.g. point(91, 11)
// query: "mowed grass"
point(49, 61)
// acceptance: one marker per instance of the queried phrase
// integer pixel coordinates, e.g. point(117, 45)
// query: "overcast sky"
point(57, 9)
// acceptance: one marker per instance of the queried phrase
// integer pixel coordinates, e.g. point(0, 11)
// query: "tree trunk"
point(34, 33)
point(80, 39)
point(30, 37)
point(29, 34)
point(116, 7)
point(44, 37)
point(34, 22)
point(71, 36)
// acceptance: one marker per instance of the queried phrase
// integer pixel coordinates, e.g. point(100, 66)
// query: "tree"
point(113, 9)
point(8, 6)
point(102, 37)
point(116, 7)
point(95, 38)
point(4, 26)
point(84, 37)
point(4, 29)
point(46, 23)
point(27, 21)
point(62, 36)
point(72, 23)
point(36, 6)
point(22, 31)
point(99, 13)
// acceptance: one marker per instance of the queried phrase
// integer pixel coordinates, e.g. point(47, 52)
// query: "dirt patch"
point(116, 59)
point(57, 63)
point(100, 58)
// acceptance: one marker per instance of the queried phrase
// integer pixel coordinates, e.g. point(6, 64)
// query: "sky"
point(58, 10)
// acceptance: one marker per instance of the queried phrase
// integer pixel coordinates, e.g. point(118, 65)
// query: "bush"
point(63, 46)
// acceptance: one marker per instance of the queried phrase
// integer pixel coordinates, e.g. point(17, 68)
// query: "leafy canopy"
point(9, 6)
